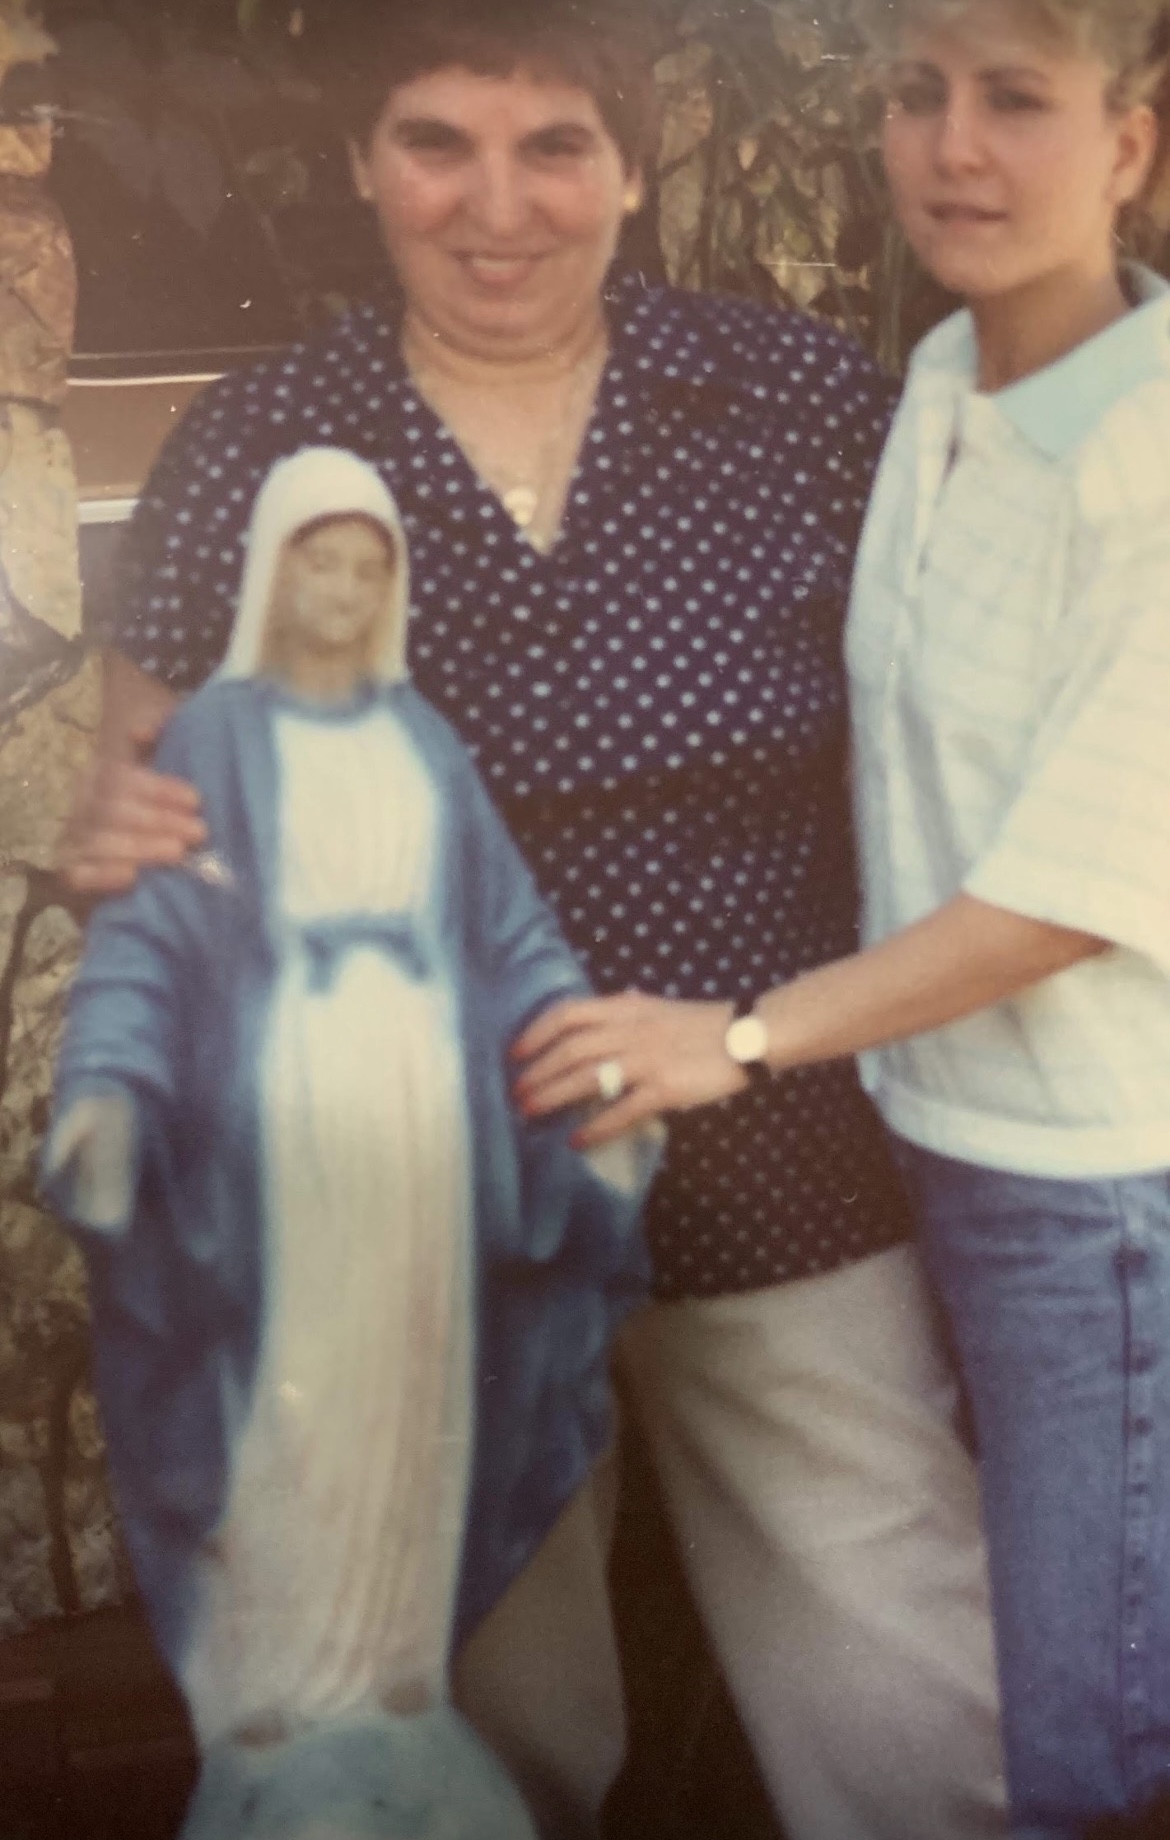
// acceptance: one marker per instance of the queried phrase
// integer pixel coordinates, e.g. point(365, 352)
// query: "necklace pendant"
point(520, 502)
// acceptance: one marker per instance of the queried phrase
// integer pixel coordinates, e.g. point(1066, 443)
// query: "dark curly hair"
point(360, 50)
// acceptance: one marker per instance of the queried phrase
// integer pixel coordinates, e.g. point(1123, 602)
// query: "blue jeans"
point(1058, 1295)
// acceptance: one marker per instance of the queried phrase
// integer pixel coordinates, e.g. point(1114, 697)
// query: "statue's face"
point(332, 590)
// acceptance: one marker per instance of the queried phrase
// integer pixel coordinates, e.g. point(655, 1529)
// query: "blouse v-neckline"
point(484, 494)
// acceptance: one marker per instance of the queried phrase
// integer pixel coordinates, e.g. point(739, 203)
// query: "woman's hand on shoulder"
point(125, 816)
point(639, 1055)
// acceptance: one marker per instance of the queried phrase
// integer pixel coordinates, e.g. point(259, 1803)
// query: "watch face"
point(747, 1039)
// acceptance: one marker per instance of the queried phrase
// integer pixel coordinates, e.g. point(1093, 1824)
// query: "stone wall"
point(59, 1549)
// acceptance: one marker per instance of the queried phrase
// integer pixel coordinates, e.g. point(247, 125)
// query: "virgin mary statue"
point(351, 1312)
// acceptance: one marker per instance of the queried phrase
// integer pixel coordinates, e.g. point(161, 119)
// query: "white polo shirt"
point(1009, 660)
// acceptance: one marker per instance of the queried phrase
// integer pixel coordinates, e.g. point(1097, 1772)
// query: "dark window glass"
point(210, 206)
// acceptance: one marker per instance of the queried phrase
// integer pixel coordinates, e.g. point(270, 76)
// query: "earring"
point(632, 199)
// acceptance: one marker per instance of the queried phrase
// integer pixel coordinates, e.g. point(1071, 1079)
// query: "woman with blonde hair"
point(1009, 658)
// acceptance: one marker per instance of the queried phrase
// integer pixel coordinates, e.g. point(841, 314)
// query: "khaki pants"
point(828, 1518)
point(540, 1679)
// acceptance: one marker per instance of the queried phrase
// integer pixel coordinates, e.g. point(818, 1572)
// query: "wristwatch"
point(746, 1040)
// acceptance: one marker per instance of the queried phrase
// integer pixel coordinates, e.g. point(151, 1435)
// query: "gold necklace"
point(527, 502)
point(524, 498)
point(522, 504)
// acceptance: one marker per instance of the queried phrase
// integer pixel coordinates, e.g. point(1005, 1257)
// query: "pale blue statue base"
point(426, 1777)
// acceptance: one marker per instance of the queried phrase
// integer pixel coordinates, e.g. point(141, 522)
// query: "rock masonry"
point(59, 1547)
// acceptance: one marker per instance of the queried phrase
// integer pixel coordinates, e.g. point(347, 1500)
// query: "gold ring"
point(611, 1081)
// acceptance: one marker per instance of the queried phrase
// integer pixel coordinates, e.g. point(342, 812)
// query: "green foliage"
point(770, 180)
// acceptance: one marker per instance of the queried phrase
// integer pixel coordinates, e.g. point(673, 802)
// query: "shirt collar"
point(1055, 408)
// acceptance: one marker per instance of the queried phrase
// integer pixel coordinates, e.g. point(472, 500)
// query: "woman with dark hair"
point(632, 515)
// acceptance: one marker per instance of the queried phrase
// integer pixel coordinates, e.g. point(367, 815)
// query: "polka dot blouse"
point(656, 704)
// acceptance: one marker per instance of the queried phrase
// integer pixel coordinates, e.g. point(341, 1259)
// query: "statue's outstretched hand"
point(91, 1156)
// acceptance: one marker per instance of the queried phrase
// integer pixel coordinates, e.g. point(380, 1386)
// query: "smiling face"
point(500, 201)
point(331, 593)
point(1008, 164)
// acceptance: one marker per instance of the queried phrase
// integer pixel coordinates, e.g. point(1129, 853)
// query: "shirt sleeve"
point(179, 565)
point(1086, 841)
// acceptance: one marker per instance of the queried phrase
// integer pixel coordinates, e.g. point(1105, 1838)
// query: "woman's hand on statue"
point(638, 1055)
point(125, 817)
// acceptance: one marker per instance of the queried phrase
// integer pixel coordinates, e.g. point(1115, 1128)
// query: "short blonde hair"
point(1131, 37)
